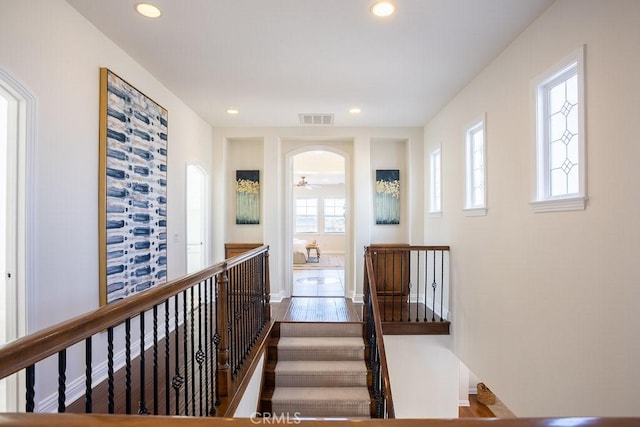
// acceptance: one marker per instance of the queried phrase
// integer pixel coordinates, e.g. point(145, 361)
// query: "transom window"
point(560, 156)
point(475, 190)
point(436, 183)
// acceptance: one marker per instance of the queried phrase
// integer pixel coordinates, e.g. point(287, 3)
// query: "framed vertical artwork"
point(387, 197)
point(133, 190)
point(247, 197)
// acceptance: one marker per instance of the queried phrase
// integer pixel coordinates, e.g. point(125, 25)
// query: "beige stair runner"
point(321, 372)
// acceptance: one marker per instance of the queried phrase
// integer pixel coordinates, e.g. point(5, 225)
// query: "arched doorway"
point(317, 229)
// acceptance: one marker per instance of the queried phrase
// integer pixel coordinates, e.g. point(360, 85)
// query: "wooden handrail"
point(379, 337)
point(78, 420)
point(24, 352)
point(405, 247)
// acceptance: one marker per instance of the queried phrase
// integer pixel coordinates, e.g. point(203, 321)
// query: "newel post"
point(223, 379)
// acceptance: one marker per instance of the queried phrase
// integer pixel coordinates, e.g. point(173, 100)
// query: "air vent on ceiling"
point(316, 119)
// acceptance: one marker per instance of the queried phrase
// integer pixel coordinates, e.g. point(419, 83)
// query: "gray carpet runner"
point(321, 372)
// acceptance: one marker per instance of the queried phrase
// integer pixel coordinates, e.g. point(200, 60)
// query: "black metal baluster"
point(178, 380)
point(207, 357)
point(110, 377)
point(243, 272)
point(185, 348)
point(127, 342)
point(441, 286)
point(193, 354)
point(62, 378)
point(155, 359)
point(216, 340)
point(236, 326)
point(418, 287)
point(167, 355)
point(88, 398)
point(200, 354)
point(426, 279)
point(30, 394)
point(434, 285)
point(245, 315)
point(231, 315)
point(142, 403)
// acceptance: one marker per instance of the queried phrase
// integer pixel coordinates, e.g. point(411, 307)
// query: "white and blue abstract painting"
point(133, 141)
point(387, 197)
point(248, 197)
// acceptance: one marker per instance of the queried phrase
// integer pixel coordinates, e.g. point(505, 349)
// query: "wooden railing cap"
point(81, 420)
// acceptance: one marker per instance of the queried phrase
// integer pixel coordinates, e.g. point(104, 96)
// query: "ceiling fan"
point(304, 183)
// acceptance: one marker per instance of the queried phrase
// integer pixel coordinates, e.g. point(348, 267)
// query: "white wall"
point(278, 144)
point(242, 154)
point(392, 154)
point(545, 305)
point(248, 405)
point(56, 54)
point(424, 376)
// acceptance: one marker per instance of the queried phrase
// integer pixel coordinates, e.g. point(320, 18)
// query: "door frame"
point(349, 268)
point(20, 294)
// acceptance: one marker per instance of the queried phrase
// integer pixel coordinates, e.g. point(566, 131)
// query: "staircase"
point(316, 370)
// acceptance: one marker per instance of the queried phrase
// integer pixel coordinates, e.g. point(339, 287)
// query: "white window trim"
point(435, 213)
point(541, 200)
point(480, 209)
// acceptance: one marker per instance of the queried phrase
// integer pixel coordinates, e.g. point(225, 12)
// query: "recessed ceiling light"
point(355, 110)
point(383, 8)
point(232, 111)
point(148, 10)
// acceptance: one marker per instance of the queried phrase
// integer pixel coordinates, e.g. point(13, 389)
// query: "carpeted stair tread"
point(321, 329)
point(320, 348)
point(322, 401)
point(344, 373)
point(317, 370)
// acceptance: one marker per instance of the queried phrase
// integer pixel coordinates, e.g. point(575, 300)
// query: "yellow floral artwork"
point(248, 197)
point(387, 197)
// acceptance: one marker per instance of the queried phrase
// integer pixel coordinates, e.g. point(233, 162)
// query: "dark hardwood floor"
point(476, 410)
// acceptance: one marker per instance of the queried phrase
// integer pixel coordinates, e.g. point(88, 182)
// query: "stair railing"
point(376, 358)
point(177, 349)
point(412, 282)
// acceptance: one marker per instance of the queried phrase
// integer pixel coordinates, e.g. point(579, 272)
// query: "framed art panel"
point(133, 190)
point(247, 197)
point(387, 197)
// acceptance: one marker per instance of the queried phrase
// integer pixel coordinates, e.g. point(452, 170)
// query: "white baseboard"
point(276, 297)
point(462, 402)
point(358, 298)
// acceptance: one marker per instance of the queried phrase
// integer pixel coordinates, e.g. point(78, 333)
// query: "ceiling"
point(275, 59)
point(319, 168)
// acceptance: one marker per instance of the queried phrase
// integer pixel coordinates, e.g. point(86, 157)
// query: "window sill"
point(475, 211)
point(560, 205)
point(435, 214)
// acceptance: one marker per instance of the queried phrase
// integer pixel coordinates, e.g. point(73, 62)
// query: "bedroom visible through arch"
point(319, 224)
